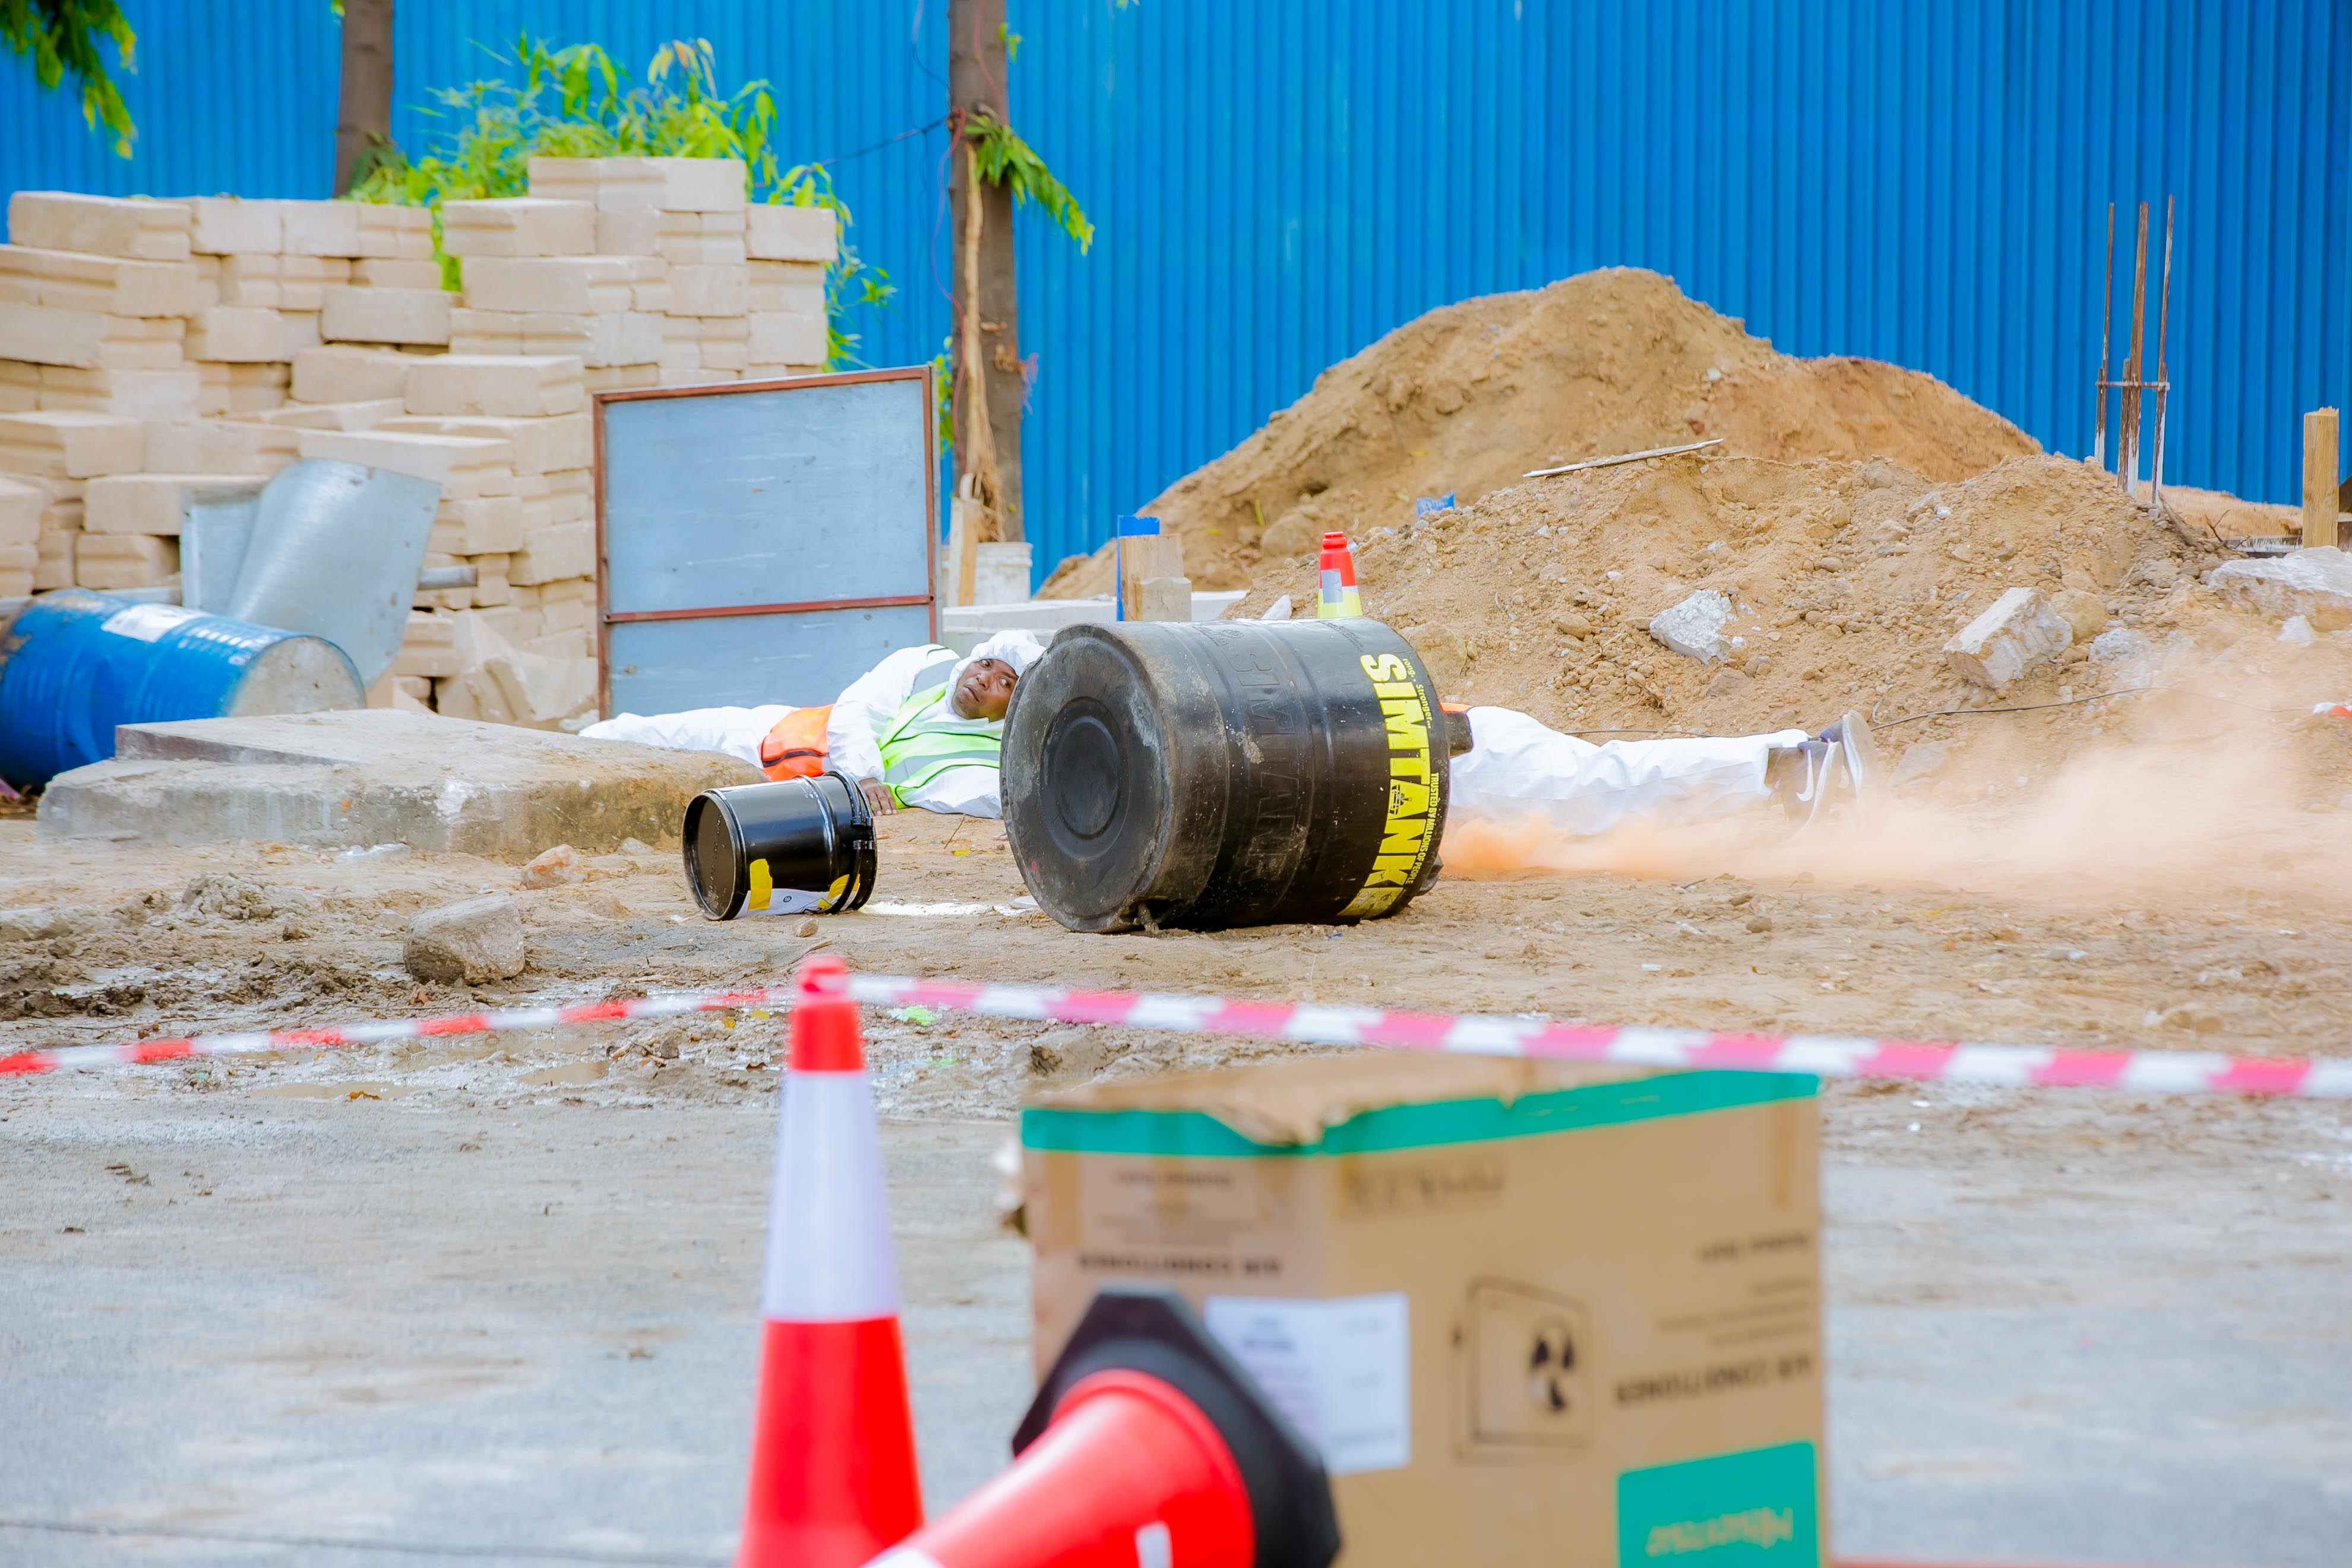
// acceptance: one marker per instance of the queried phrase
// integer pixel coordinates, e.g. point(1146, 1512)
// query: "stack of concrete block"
point(57, 453)
point(732, 282)
point(149, 346)
point(95, 295)
point(21, 506)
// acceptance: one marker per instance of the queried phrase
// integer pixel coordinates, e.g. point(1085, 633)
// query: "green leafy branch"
point(576, 101)
point(64, 36)
point(1004, 159)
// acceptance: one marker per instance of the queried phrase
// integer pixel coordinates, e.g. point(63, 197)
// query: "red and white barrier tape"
point(2148, 1072)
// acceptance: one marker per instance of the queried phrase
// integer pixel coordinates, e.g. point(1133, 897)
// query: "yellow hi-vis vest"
point(926, 738)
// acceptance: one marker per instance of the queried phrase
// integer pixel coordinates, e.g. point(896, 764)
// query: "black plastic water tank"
point(1225, 773)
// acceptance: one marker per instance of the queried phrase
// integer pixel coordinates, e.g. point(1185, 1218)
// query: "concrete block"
point(796, 287)
point(20, 386)
point(470, 942)
point(563, 179)
point(69, 445)
point(1698, 626)
point(2315, 584)
point(429, 647)
point(228, 225)
point(786, 339)
point(39, 335)
point(378, 776)
point(145, 503)
point(708, 290)
point(107, 285)
point(363, 415)
point(341, 374)
point(2017, 635)
point(389, 231)
point(298, 331)
point(464, 466)
point(703, 250)
point(131, 226)
point(21, 505)
point(777, 233)
point(482, 525)
point(540, 447)
point(376, 272)
point(552, 554)
point(321, 228)
point(620, 377)
point(255, 281)
point(220, 446)
point(698, 184)
point(579, 285)
point(53, 559)
point(517, 386)
point(358, 315)
point(519, 225)
point(226, 390)
point(124, 560)
point(236, 334)
point(302, 280)
point(125, 393)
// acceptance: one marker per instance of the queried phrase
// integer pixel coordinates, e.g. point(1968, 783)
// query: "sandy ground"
point(398, 1297)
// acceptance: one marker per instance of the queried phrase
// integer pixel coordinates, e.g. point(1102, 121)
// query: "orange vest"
point(794, 749)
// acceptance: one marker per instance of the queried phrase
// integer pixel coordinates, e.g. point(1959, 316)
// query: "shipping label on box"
point(1529, 1312)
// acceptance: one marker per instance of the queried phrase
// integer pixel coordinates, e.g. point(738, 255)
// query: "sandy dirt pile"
point(1468, 397)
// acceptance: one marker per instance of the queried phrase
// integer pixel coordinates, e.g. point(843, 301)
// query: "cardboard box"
point(1531, 1313)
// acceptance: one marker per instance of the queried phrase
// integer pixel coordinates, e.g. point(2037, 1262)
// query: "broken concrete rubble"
point(2315, 583)
point(371, 776)
point(1696, 627)
point(2019, 633)
point(475, 941)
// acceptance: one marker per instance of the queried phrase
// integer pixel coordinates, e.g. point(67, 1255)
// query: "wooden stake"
point(2107, 327)
point(2127, 438)
point(2319, 432)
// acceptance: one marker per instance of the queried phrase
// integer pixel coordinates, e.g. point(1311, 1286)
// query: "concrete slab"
point(381, 776)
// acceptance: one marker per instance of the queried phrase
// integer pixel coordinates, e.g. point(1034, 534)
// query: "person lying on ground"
point(1518, 767)
point(922, 729)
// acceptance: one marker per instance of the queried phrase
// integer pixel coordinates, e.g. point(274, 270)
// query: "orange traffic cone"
point(1147, 1448)
point(1338, 595)
point(832, 1452)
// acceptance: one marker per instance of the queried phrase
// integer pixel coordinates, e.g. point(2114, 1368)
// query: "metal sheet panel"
point(805, 660)
point(733, 497)
point(765, 542)
point(1276, 186)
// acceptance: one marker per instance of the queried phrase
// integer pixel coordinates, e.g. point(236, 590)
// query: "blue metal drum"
point(73, 665)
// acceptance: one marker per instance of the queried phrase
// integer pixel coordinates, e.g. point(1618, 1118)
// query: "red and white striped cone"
point(1337, 594)
point(832, 1452)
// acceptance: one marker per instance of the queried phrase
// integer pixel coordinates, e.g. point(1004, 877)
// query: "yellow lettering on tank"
point(763, 885)
point(1405, 839)
point(1408, 723)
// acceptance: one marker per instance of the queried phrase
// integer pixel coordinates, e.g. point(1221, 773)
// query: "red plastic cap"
point(826, 1033)
point(1334, 541)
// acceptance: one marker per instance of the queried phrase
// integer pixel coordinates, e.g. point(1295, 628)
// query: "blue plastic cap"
point(1131, 527)
point(1427, 504)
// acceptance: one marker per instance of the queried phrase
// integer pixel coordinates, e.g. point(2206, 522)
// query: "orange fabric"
point(794, 749)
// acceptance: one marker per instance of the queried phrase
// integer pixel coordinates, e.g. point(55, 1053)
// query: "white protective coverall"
point(1517, 767)
point(860, 713)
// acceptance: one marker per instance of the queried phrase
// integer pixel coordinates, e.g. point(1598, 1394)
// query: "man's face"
point(983, 689)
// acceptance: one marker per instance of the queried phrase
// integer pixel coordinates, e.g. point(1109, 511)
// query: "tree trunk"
point(977, 81)
point(365, 117)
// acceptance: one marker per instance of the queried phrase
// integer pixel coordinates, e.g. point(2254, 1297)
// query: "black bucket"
point(797, 847)
point(1228, 773)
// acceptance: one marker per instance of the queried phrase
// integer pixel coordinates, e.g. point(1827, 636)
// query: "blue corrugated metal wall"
point(1275, 185)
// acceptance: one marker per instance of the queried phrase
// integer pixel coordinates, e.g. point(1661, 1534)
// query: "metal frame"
point(608, 617)
point(2128, 414)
